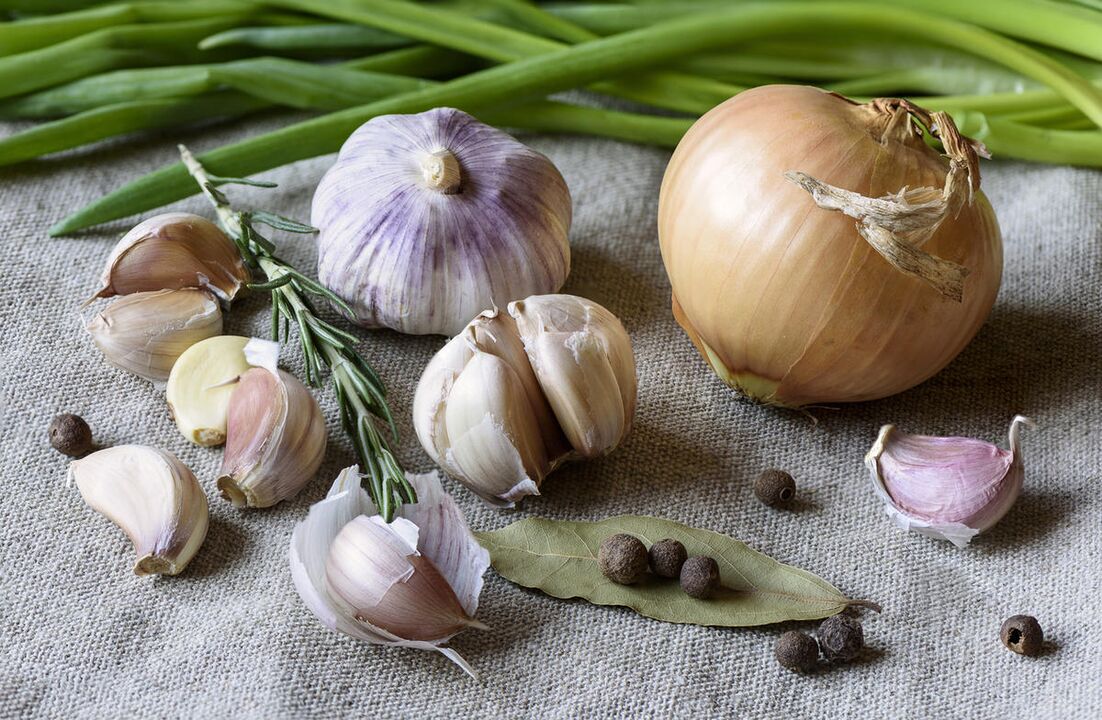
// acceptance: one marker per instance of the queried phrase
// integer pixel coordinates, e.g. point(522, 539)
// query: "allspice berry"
point(666, 558)
point(797, 651)
point(841, 637)
point(70, 434)
point(775, 487)
point(700, 577)
point(622, 558)
point(1022, 634)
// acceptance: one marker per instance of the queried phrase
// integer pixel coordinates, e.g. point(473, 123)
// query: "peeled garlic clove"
point(951, 488)
point(200, 385)
point(146, 332)
point(419, 576)
point(426, 220)
point(173, 251)
point(275, 439)
point(153, 497)
point(582, 357)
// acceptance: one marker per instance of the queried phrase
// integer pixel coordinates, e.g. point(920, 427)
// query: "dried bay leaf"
point(560, 558)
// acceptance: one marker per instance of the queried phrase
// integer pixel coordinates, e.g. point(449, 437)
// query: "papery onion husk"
point(952, 488)
point(800, 268)
point(426, 220)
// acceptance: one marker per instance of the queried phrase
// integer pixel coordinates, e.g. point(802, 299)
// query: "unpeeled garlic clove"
point(152, 497)
point(144, 333)
point(201, 383)
point(275, 439)
point(513, 396)
point(173, 251)
point(413, 583)
point(952, 488)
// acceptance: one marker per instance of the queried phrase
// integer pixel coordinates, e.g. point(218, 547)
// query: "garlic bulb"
point(951, 488)
point(173, 251)
point(152, 497)
point(275, 438)
point(797, 291)
point(146, 332)
point(513, 396)
point(412, 583)
point(201, 383)
point(426, 220)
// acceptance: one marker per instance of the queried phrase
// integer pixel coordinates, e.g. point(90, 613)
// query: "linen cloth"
point(85, 638)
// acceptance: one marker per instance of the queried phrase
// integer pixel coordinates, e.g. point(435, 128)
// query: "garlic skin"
point(513, 396)
point(201, 383)
point(413, 583)
point(275, 439)
point(952, 488)
point(152, 497)
point(173, 251)
point(426, 220)
point(144, 333)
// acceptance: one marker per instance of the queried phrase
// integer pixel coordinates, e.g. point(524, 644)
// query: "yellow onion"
point(820, 251)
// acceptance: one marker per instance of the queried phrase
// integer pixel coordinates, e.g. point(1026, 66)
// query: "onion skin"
point(785, 300)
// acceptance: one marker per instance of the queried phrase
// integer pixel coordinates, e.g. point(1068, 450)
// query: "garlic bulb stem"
point(441, 171)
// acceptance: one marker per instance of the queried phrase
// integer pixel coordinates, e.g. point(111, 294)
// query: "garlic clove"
point(275, 439)
point(442, 538)
point(173, 251)
point(152, 497)
point(146, 332)
point(200, 385)
point(951, 488)
point(582, 357)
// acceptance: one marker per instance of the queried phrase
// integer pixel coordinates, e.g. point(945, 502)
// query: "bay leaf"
point(560, 558)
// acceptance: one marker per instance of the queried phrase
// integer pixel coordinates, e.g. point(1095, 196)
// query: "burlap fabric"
point(84, 637)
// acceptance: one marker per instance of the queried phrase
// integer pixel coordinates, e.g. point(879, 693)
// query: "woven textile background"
point(84, 637)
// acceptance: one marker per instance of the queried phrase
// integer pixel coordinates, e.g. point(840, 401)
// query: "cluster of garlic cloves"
point(952, 488)
point(152, 497)
point(412, 583)
point(515, 395)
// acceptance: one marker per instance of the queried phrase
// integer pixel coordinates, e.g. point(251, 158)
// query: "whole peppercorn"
point(775, 487)
point(622, 558)
point(797, 651)
point(699, 576)
point(1022, 634)
point(841, 637)
point(70, 434)
point(666, 558)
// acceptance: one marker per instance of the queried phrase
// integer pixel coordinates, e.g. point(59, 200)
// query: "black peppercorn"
point(775, 487)
point(841, 637)
point(666, 558)
point(1022, 634)
point(699, 576)
point(622, 558)
point(70, 434)
point(797, 651)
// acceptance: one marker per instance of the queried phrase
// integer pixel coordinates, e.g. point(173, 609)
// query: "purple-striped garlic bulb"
point(427, 220)
point(952, 488)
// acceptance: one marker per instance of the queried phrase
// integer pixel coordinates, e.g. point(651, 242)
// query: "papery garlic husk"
point(426, 220)
point(275, 439)
point(951, 488)
point(201, 383)
point(173, 251)
point(144, 333)
point(413, 583)
point(152, 497)
point(513, 396)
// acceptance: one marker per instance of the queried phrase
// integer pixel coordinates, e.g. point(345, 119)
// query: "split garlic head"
point(515, 395)
point(952, 488)
point(426, 220)
point(173, 251)
point(144, 333)
point(152, 497)
point(413, 583)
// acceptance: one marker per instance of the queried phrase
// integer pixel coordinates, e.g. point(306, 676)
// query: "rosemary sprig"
point(360, 392)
